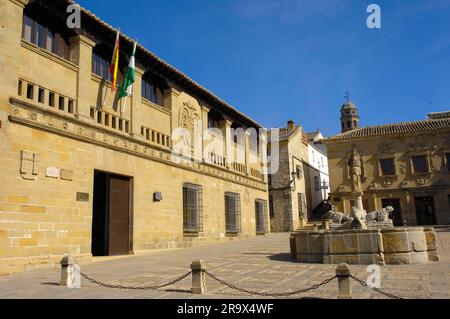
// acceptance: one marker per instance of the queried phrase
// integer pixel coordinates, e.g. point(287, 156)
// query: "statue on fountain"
point(359, 218)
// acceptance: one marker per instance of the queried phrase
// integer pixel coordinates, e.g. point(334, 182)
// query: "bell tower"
point(349, 115)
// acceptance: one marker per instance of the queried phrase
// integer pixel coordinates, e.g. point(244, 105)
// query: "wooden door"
point(119, 216)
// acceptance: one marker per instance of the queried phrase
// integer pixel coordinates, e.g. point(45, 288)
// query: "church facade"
point(83, 174)
point(403, 165)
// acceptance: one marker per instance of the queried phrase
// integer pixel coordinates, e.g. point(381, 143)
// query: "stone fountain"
point(363, 238)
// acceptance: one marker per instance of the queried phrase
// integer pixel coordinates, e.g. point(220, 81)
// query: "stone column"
point(136, 103)
point(171, 102)
point(227, 142)
point(81, 54)
point(247, 153)
point(205, 112)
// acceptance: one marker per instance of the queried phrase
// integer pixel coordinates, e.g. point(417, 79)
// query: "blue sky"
point(280, 59)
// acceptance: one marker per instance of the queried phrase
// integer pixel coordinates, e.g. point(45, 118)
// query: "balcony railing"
point(46, 98)
point(155, 137)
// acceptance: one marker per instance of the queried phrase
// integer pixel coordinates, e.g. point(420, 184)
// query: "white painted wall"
point(318, 160)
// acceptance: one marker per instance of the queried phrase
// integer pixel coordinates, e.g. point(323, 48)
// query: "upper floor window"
point(149, 91)
point(420, 163)
point(215, 120)
point(100, 66)
point(45, 37)
point(387, 167)
point(153, 88)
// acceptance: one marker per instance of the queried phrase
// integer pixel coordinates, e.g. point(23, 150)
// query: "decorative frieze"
point(69, 126)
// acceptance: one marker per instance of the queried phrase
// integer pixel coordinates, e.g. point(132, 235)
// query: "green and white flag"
point(127, 87)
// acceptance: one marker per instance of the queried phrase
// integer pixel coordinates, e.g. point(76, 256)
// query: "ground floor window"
point(260, 216)
point(192, 208)
point(232, 213)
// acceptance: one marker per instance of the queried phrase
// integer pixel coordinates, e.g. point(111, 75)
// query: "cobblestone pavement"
point(262, 264)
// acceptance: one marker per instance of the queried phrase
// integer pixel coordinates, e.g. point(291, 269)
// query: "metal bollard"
point(70, 273)
point(198, 277)
point(345, 289)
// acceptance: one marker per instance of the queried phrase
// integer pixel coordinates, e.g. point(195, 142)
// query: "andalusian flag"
point(127, 87)
point(114, 66)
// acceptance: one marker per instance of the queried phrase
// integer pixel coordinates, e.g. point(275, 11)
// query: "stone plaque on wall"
point(66, 175)
point(52, 172)
point(82, 197)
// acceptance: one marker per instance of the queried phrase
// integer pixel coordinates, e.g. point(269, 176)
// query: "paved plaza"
point(261, 264)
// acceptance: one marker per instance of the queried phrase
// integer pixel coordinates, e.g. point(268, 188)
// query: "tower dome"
point(349, 117)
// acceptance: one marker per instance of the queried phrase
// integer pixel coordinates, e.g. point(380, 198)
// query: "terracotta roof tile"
point(439, 115)
point(167, 65)
point(390, 129)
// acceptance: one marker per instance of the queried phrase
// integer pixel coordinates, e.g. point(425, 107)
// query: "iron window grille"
point(192, 208)
point(232, 213)
point(260, 216)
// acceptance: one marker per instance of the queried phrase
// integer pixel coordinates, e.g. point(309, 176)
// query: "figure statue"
point(337, 218)
point(355, 167)
point(380, 216)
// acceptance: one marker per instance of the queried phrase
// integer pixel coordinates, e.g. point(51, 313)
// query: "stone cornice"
point(30, 115)
point(83, 39)
point(21, 3)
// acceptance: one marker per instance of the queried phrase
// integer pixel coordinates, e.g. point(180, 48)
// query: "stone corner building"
point(287, 187)
point(77, 176)
point(404, 165)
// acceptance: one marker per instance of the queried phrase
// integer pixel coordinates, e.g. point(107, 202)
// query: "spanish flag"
point(114, 66)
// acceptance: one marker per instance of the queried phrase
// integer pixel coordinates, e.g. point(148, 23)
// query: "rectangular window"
point(30, 91)
point(70, 107)
point(192, 208)
point(120, 125)
point(106, 119)
point(92, 114)
point(42, 36)
point(29, 29)
point(387, 167)
point(41, 95)
point(149, 91)
point(447, 161)
point(50, 43)
point(19, 88)
point(51, 99)
point(113, 122)
point(99, 117)
point(127, 127)
point(100, 67)
point(61, 103)
point(232, 213)
point(260, 216)
point(420, 163)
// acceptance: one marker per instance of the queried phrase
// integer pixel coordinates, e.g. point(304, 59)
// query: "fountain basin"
point(389, 246)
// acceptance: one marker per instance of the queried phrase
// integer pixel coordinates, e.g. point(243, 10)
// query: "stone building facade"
point(79, 176)
point(404, 165)
point(287, 186)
